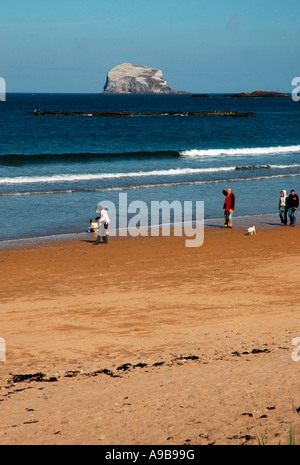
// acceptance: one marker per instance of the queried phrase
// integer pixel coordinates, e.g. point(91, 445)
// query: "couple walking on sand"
point(288, 206)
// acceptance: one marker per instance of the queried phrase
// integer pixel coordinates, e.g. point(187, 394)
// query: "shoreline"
point(240, 222)
point(194, 344)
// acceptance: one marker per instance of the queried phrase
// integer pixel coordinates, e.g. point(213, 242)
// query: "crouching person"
point(102, 226)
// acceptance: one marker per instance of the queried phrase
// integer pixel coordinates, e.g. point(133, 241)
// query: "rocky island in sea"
point(123, 114)
point(134, 79)
point(258, 94)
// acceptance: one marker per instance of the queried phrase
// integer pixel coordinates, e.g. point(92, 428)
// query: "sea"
point(55, 169)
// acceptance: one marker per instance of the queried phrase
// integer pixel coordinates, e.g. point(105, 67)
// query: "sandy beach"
point(144, 341)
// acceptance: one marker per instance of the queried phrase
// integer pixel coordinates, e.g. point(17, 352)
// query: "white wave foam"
point(284, 166)
point(92, 176)
point(158, 185)
point(138, 174)
point(234, 152)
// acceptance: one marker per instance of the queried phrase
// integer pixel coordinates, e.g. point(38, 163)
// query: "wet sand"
point(145, 341)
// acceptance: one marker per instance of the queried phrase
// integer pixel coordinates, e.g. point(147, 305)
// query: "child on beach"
point(93, 227)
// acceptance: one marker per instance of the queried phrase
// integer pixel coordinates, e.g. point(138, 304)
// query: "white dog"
point(251, 230)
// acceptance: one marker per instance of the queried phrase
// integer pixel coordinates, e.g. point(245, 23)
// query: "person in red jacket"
point(228, 207)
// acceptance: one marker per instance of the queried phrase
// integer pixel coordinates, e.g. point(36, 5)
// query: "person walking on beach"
point(283, 208)
point(292, 205)
point(228, 207)
point(102, 226)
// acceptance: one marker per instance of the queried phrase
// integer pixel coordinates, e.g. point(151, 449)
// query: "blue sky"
point(200, 45)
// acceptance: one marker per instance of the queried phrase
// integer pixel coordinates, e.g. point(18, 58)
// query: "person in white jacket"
point(283, 208)
point(102, 226)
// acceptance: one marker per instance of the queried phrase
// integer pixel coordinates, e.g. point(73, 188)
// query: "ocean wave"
point(151, 186)
point(236, 152)
point(95, 176)
point(134, 174)
point(20, 159)
point(27, 193)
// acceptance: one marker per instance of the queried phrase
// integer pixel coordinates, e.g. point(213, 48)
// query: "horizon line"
point(148, 94)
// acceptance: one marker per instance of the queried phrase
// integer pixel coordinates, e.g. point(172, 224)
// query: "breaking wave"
point(236, 152)
point(147, 186)
point(134, 174)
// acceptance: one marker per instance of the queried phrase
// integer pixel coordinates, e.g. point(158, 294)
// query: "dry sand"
point(145, 341)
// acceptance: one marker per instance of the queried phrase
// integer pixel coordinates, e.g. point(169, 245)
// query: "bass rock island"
point(133, 79)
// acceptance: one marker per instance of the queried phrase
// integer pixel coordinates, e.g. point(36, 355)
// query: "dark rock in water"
point(123, 114)
point(201, 96)
point(258, 94)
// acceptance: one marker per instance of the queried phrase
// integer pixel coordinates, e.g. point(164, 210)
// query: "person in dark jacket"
point(228, 207)
point(292, 205)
